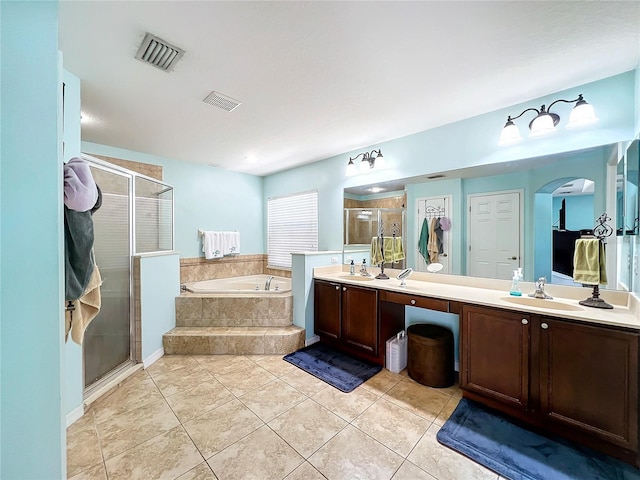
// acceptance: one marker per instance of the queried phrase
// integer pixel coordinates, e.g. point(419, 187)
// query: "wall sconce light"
point(370, 160)
point(545, 121)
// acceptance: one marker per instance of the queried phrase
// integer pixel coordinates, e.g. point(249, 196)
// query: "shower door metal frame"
point(88, 390)
point(131, 177)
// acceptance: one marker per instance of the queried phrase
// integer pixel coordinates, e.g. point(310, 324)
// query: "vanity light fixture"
point(370, 160)
point(545, 121)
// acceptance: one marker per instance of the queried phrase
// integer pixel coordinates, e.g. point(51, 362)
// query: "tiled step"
point(234, 311)
point(233, 340)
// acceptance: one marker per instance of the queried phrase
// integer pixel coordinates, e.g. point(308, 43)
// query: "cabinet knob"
point(344, 289)
point(544, 326)
point(413, 302)
point(337, 287)
point(524, 321)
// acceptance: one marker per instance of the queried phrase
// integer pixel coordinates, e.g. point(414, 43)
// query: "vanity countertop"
point(495, 293)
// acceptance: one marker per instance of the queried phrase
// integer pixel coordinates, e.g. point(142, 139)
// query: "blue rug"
point(518, 454)
point(333, 367)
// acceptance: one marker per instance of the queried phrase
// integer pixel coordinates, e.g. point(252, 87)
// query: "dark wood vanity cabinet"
point(576, 380)
point(360, 318)
point(589, 380)
point(494, 358)
point(327, 308)
point(347, 316)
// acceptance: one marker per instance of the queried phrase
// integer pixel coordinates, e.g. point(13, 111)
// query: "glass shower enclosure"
point(136, 216)
point(361, 225)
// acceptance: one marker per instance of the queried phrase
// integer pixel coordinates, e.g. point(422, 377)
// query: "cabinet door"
point(495, 355)
point(327, 309)
point(360, 318)
point(589, 379)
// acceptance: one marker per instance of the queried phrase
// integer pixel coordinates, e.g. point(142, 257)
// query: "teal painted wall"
point(579, 211)
point(206, 198)
point(74, 383)
point(31, 337)
point(462, 144)
point(159, 285)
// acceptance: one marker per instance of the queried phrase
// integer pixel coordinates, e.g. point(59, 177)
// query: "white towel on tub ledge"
point(212, 244)
point(231, 243)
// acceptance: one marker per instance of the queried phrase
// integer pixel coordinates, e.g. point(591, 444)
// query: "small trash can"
point(430, 355)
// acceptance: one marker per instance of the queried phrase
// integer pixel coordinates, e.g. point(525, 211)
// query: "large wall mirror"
point(525, 213)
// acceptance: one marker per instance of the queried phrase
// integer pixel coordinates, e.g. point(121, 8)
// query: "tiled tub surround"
point(196, 269)
point(234, 324)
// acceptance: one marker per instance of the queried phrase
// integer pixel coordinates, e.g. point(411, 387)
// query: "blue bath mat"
point(518, 454)
point(334, 367)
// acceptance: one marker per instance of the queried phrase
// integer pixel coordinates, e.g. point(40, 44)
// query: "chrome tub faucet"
point(267, 284)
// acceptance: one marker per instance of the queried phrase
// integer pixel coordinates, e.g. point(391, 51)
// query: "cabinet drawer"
point(415, 301)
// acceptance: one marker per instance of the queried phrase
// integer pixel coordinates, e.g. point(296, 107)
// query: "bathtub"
point(250, 284)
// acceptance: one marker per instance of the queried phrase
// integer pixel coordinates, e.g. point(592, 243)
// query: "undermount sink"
point(541, 303)
point(357, 278)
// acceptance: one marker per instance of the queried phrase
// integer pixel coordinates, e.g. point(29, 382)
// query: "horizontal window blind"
point(292, 226)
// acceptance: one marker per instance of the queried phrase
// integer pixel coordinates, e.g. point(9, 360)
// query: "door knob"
point(544, 326)
point(513, 258)
point(524, 321)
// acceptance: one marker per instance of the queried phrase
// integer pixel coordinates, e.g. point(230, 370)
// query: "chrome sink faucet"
point(539, 293)
point(267, 284)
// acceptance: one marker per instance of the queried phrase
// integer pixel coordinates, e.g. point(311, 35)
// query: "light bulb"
point(351, 169)
point(510, 134)
point(542, 125)
point(582, 115)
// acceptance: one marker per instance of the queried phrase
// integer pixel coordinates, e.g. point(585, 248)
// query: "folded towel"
point(213, 245)
point(393, 250)
point(230, 243)
point(376, 254)
point(78, 252)
point(80, 190)
point(85, 309)
point(589, 262)
point(423, 241)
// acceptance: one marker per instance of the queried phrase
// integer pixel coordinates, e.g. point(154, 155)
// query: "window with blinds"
point(292, 226)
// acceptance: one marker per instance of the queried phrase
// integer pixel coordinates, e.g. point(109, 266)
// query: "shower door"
point(107, 344)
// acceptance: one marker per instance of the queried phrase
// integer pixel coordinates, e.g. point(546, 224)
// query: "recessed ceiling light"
point(376, 189)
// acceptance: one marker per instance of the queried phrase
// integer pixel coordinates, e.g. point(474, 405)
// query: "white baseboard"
point(150, 360)
point(74, 415)
point(312, 340)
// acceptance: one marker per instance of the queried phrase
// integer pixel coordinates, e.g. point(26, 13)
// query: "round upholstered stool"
point(430, 355)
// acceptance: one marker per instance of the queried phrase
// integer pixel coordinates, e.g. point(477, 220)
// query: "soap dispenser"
point(515, 284)
point(352, 268)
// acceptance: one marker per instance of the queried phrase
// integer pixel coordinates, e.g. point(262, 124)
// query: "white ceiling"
point(317, 79)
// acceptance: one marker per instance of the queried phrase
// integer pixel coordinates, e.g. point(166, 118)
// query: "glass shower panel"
point(154, 216)
point(107, 340)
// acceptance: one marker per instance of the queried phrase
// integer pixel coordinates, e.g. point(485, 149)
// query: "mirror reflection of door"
point(494, 231)
point(428, 207)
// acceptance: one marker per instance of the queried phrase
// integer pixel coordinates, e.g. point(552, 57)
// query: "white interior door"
point(427, 207)
point(494, 235)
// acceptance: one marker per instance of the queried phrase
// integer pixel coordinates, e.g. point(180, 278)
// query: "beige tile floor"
point(193, 417)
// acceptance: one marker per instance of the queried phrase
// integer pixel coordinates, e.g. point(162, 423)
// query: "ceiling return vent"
point(221, 101)
point(157, 52)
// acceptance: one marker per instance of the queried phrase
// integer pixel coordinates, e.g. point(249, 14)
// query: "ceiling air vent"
point(159, 53)
point(221, 101)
